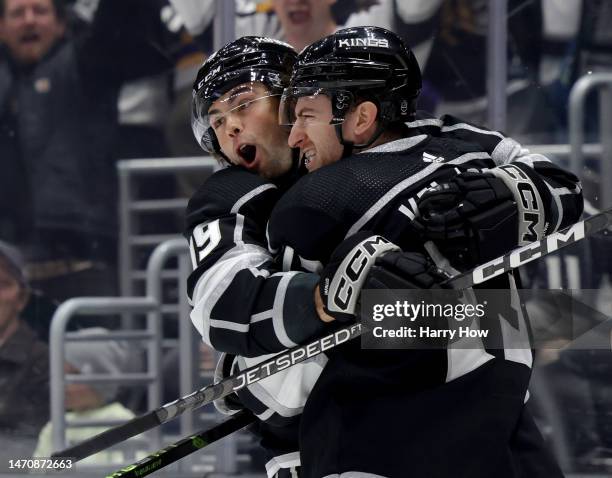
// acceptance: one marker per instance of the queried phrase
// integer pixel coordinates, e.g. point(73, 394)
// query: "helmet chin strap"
point(349, 146)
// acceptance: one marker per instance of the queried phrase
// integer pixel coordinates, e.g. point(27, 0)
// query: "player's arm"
point(483, 212)
point(560, 189)
point(242, 304)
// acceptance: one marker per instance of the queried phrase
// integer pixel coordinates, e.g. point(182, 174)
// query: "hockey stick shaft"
point(205, 395)
point(208, 394)
point(534, 250)
point(186, 446)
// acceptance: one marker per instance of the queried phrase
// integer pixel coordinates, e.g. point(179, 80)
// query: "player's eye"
point(305, 118)
point(244, 105)
point(217, 122)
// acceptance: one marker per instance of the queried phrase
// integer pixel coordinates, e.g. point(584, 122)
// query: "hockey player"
point(408, 413)
point(241, 305)
point(226, 219)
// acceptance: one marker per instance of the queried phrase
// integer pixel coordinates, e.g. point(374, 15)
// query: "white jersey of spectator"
point(251, 19)
point(402, 16)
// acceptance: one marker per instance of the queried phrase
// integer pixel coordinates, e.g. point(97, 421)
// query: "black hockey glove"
point(343, 277)
point(472, 219)
point(404, 270)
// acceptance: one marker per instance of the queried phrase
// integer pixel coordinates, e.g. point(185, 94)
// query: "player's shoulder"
point(325, 189)
point(232, 190)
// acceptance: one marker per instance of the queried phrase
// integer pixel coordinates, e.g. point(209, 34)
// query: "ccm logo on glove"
point(342, 279)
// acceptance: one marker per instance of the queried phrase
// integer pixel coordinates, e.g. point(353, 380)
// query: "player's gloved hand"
point(405, 270)
point(472, 218)
point(343, 277)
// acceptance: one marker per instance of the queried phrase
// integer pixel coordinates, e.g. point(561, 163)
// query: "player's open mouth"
point(247, 152)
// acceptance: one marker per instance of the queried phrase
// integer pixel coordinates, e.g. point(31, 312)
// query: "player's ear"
point(365, 118)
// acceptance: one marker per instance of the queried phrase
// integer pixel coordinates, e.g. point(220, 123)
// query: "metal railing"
point(131, 239)
point(59, 337)
point(577, 104)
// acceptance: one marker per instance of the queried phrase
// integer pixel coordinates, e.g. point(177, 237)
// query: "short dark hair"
point(58, 5)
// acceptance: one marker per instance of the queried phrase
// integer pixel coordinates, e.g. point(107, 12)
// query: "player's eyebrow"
point(306, 109)
point(236, 91)
point(232, 97)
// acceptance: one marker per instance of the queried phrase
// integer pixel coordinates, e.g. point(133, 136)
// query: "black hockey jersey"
point(244, 304)
point(428, 401)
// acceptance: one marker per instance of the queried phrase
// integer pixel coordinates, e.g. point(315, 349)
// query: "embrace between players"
point(325, 150)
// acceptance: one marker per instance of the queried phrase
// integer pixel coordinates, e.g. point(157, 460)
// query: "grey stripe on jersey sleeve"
point(311, 265)
point(239, 228)
point(506, 151)
point(473, 128)
point(288, 460)
point(214, 282)
point(287, 391)
point(265, 415)
point(226, 324)
point(265, 315)
point(425, 122)
point(250, 195)
point(406, 183)
point(398, 145)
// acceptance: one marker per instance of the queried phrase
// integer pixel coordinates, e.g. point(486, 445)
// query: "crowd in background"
point(85, 83)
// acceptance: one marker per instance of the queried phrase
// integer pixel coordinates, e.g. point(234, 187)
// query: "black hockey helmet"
point(353, 64)
point(248, 59)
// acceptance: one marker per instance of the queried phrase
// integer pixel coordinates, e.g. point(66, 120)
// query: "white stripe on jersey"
point(285, 392)
point(287, 460)
point(225, 324)
point(278, 319)
point(288, 253)
point(405, 184)
point(250, 195)
point(397, 145)
point(424, 122)
point(239, 229)
point(311, 266)
point(473, 128)
point(213, 283)
point(506, 151)
point(461, 361)
point(265, 415)
point(266, 314)
point(511, 336)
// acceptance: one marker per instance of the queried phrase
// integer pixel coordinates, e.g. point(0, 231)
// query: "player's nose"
point(233, 126)
point(296, 136)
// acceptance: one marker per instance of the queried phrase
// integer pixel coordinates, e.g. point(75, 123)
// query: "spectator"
point(58, 117)
point(24, 365)
point(91, 401)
